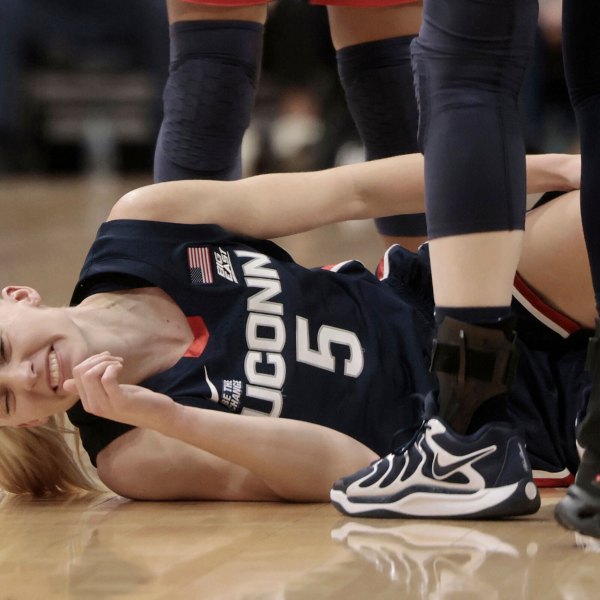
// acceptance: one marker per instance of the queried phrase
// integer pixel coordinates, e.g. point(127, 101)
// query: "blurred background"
point(81, 84)
point(80, 106)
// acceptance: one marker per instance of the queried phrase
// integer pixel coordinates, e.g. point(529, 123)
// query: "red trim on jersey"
point(383, 266)
point(201, 335)
point(337, 266)
point(380, 272)
point(547, 315)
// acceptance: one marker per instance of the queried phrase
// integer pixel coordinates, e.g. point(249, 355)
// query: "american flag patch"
point(201, 270)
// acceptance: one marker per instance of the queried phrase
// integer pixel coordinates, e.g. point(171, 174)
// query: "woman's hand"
point(96, 382)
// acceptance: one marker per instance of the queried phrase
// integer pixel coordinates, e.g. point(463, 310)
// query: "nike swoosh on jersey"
point(442, 471)
point(214, 394)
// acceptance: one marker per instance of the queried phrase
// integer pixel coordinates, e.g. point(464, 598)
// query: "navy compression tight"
point(469, 62)
point(378, 84)
point(581, 51)
point(208, 99)
point(581, 47)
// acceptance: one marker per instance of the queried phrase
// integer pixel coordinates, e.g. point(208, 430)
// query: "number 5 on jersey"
point(322, 358)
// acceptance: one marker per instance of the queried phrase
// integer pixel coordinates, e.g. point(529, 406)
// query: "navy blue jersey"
point(330, 346)
point(337, 346)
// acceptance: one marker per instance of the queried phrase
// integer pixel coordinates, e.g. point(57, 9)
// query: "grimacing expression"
point(39, 346)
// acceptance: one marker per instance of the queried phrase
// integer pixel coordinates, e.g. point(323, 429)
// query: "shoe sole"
point(579, 511)
point(517, 499)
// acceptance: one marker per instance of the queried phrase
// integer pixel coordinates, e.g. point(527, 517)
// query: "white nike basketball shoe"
point(441, 474)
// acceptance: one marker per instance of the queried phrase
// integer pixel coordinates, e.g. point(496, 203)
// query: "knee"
point(207, 108)
point(209, 94)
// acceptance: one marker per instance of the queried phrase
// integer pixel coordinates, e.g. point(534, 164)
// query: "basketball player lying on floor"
point(184, 336)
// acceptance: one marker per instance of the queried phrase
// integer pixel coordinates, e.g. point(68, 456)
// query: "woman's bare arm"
point(293, 460)
point(278, 204)
point(553, 172)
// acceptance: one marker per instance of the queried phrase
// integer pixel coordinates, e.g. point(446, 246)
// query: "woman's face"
point(39, 346)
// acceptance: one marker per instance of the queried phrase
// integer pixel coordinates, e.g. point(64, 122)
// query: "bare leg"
point(554, 259)
point(185, 11)
point(351, 26)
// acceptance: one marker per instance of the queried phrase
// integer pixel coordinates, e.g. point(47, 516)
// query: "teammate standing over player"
point(469, 61)
point(216, 50)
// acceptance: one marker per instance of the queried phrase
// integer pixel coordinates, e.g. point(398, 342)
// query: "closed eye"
point(5, 395)
point(5, 404)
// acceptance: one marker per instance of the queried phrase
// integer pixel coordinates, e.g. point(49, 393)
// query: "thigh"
point(366, 21)
point(196, 10)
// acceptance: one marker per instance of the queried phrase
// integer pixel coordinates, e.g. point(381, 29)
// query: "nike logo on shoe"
point(426, 462)
point(445, 464)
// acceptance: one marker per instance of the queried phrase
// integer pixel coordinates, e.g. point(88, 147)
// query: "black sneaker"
point(579, 510)
point(441, 474)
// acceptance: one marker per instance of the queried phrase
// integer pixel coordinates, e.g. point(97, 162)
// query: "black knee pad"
point(411, 225)
point(208, 99)
point(469, 63)
point(377, 80)
point(378, 84)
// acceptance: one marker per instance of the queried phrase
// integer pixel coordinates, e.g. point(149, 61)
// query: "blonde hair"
point(40, 461)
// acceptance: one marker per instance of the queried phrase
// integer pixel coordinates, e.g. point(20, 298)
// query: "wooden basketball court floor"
point(107, 547)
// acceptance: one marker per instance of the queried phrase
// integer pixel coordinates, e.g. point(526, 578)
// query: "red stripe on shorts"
point(555, 320)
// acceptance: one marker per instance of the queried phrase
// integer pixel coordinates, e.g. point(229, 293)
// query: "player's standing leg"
point(469, 59)
point(580, 509)
point(216, 53)
point(14, 23)
point(372, 46)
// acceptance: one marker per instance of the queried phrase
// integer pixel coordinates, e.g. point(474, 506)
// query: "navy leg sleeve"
point(581, 51)
point(469, 62)
point(208, 99)
point(378, 83)
point(13, 28)
point(581, 47)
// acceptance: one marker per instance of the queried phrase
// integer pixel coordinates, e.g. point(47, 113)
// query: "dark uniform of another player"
point(336, 346)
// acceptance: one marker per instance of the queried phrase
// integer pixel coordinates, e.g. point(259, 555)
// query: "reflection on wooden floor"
point(111, 548)
point(106, 547)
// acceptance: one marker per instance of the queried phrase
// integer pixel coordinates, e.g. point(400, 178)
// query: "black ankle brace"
point(473, 364)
